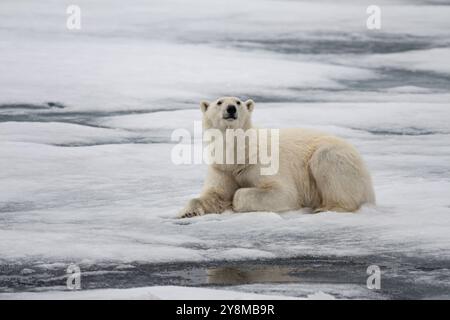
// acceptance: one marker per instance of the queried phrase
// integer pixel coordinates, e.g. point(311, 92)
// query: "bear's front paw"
point(194, 208)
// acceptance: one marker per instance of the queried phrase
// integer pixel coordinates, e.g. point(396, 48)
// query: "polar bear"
point(316, 170)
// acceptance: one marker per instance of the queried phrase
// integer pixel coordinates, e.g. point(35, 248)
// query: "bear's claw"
point(192, 210)
point(188, 214)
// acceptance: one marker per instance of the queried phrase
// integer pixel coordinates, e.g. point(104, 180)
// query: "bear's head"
point(227, 113)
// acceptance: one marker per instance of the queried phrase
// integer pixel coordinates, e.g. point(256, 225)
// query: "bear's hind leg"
point(341, 178)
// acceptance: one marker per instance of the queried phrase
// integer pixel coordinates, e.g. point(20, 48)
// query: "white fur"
point(316, 170)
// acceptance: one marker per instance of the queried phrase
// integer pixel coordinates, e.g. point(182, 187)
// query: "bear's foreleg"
point(263, 199)
point(216, 196)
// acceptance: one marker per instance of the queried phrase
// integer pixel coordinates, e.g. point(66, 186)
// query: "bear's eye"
point(238, 103)
point(219, 103)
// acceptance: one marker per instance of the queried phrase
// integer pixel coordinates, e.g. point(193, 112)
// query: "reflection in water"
point(234, 275)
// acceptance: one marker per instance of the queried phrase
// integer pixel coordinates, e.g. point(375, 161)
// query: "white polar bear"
point(316, 170)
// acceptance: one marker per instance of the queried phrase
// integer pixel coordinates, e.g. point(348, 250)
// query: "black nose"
point(231, 109)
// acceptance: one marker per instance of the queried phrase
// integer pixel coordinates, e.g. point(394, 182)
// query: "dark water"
point(343, 277)
point(316, 43)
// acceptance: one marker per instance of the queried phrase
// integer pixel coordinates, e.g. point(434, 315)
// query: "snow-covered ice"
point(86, 118)
point(155, 293)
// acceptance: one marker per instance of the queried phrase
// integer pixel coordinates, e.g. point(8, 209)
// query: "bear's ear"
point(250, 105)
point(204, 106)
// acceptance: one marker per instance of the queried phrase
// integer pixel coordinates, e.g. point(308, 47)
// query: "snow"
point(432, 60)
point(57, 133)
point(327, 291)
point(90, 180)
point(151, 293)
